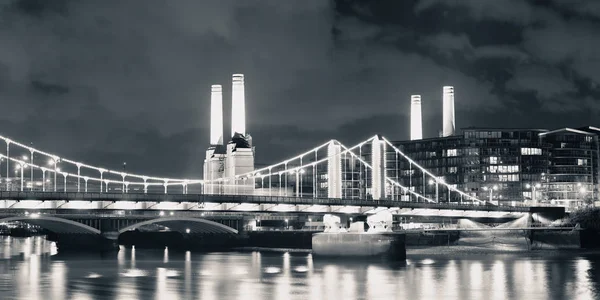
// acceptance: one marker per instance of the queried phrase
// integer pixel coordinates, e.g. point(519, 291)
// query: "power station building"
point(226, 161)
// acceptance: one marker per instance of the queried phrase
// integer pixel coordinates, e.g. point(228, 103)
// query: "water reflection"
point(28, 270)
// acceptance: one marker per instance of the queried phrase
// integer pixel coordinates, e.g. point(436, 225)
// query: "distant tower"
point(216, 115)
point(238, 104)
point(416, 121)
point(448, 107)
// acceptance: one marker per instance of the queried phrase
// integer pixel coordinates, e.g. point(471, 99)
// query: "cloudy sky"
point(110, 81)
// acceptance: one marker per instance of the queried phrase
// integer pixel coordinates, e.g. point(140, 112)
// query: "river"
point(31, 269)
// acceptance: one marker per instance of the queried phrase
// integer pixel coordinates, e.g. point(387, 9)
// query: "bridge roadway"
point(246, 203)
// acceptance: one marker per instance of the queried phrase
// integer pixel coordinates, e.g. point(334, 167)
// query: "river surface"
point(31, 269)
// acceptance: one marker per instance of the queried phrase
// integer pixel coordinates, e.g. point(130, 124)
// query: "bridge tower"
point(334, 170)
point(378, 162)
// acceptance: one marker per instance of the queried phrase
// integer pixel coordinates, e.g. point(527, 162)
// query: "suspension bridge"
point(51, 191)
point(329, 174)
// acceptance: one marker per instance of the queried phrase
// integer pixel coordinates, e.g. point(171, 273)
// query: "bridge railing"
point(250, 199)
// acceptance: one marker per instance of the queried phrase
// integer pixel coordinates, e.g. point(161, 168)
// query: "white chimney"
point(448, 107)
point(238, 104)
point(416, 121)
point(216, 115)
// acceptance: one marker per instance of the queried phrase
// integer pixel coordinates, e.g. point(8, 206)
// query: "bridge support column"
point(334, 170)
point(379, 167)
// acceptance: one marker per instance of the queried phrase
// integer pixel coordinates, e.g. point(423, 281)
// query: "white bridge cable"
point(101, 170)
point(450, 187)
point(405, 189)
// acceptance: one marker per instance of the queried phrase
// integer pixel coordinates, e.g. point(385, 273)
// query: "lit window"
point(581, 162)
point(493, 160)
point(452, 152)
point(531, 151)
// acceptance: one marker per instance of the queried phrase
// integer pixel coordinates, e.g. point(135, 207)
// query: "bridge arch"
point(183, 224)
point(54, 224)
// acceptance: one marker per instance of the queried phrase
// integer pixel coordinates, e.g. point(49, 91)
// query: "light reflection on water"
point(30, 270)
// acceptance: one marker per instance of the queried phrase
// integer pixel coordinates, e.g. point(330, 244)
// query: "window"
point(513, 177)
point(452, 152)
point(473, 151)
point(452, 170)
point(493, 160)
point(581, 162)
point(531, 151)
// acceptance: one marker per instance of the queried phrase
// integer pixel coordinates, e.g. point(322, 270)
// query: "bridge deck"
point(252, 199)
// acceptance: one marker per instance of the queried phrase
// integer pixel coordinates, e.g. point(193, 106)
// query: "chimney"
point(416, 123)
point(448, 107)
point(238, 110)
point(216, 115)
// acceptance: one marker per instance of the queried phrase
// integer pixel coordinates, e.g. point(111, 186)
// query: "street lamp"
point(491, 189)
point(533, 188)
point(286, 223)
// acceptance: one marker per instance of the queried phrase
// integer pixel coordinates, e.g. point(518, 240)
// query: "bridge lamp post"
point(65, 175)
point(302, 171)
point(31, 173)
point(20, 168)
point(1, 160)
point(7, 161)
point(53, 161)
point(43, 179)
point(491, 189)
point(286, 224)
point(25, 158)
point(533, 188)
point(101, 179)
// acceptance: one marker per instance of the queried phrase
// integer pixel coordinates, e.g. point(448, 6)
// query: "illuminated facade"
point(416, 119)
point(572, 177)
point(510, 165)
point(448, 111)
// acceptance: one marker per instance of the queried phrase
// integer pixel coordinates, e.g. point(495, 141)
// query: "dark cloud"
point(113, 81)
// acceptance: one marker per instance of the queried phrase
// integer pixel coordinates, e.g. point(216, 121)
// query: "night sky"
point(110, 81)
